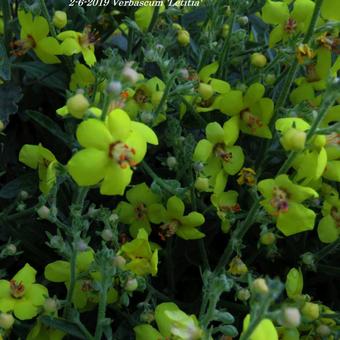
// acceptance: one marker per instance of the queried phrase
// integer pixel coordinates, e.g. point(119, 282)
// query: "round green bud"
point(131, 284)
point(183, 37)
point(319, 141)
point(310, 311)
point(291, 317)
point(323, 330)
point(114, 87)
point(225, 30)
point(205, 90)
point(2, 126)
point(260, 286)
point(11, 249)
point(243, 294)
point(293, 140)
point(107, 235)
point(59, 19)
point(50, 305)
point(77, 105)
point(171, 162)
point(119, 261)
point(43, 212)
point(243, 21)
point(146, 117)
point(6, 320)
point(308, 259)
point(258, 60)
point(268, 238)
point(23, 195)
point(202, 184)
point(270, 79)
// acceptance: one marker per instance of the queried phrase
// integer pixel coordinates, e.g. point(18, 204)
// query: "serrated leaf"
point(10, 95)
point(50, 125)
point(5, 65)
point(27, 182)
point(63, 325)
point(49, 75)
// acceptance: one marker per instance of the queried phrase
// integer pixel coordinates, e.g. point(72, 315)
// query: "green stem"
point(106, 106)
point(156, 178)
point(18, 215)
point(154, 18)
point(70, 291)
point(101, 311)
point(327, 250)
point(165, 94)
point(85, 331)
point(48, 18)
point(226, 46)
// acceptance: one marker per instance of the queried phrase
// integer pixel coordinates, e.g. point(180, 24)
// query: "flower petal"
point(4, 289)
point(25, 310)
point(58, 271)
point(119, 124)
point(88, 166)
point(93, 133)
point(327, 230)
point(36, 294)
point(189, 233)
point(175, 207)
point(203, 150)
point(148, 134)
point(146, 332)
point(253, 94)
point(235, 163)
point(275, 12)
point(214, 133)
point(39, 28)
point(297, 219)
point(116, 180)
point(193, 219)
point(26, 275)
point(231, 103)
point(141, 193)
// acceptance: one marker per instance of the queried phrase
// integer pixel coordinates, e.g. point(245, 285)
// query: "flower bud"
point(323, 330)
point(23, 195)
point(291, 317)
point(129, 73)
point(6, 320)
point(2, 126)
point(43, 212)
point(59, 19)
point(293, 140)
point(319, 141)
point(77, 105)
point(225, 30)
point(258, 60)
point(11, 249)
point(146, 117)
point(243, 21)
point(268, 238)
point(171, 162)
point(202, 184)
point(205, 90)
point(243, 294)
point(308, 259)
point(107, 235)
point(113, 218)
point(184, 73)
point(260, 286)
point(237, 266)
point(183, 37)
point(131, 284)
point(82, 246)
point(270, 79)
point(51, 305)
point(114, 87)
point(119, 261)
point(176, 26)
point(310, 311)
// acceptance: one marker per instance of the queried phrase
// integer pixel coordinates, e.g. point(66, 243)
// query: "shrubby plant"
point(170, 172)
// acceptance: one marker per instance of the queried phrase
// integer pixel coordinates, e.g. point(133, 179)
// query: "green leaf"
point(10, 95)
point(5, 65)
point(27, 182)
point(49, 75)
point(50, 125)
point(63, 325)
